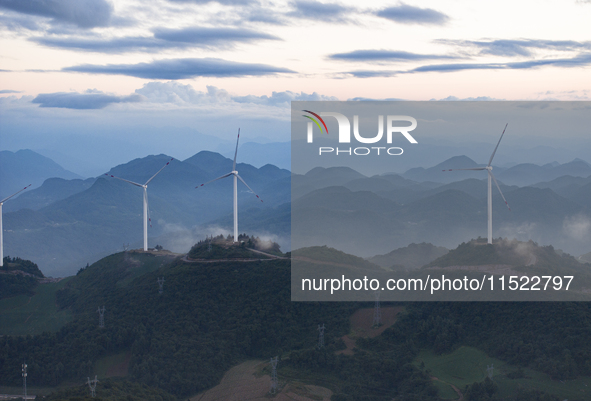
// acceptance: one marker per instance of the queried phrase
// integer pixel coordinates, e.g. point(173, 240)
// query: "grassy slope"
point(146, 264)
point(467, 365)
point(32, 315)
point(327, 254)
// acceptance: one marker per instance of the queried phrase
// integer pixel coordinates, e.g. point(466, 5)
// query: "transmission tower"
point(101, 316)
point(489, 370)
point(209, 243)
point(160, 285)
point(92, 385)
point(125, 247)
point(321, 336)
point(377, 313)
point(24, 381)
point(273, 375)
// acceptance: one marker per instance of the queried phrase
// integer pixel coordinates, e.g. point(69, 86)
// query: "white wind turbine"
point(146, 209)
point(2, 229)
point(488, 168)
point(236, 178)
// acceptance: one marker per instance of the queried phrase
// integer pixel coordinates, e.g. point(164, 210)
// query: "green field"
point(467, 365)
point(22, 314)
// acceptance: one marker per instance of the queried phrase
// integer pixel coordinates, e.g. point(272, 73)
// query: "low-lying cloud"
point(174, 92)
point(577, 228)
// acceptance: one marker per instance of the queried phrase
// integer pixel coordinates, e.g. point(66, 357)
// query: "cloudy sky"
point(120, 69)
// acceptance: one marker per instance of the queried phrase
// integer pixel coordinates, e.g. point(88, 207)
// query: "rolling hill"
point(213, 316)
point(412, 256)
point(337, 207)
point(51, 191)
point(93, 222)
point(24, 167)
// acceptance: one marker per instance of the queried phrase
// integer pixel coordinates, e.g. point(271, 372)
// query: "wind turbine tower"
point(491, 178)
point(146, 208)
point(236, 178)
point(2, 229)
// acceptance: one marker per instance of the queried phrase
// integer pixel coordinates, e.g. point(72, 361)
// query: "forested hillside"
point(18, 276)
point(216, 314)
point(212, 316)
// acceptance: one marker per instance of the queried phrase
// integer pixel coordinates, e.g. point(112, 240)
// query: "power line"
point(101, 316)
point(160, 285)
point(321, 336)
point(489, 370)
point(273, 375)
point(24, 380)
point(92, 385)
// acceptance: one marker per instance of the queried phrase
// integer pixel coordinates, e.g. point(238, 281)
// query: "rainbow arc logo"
point(316, 121)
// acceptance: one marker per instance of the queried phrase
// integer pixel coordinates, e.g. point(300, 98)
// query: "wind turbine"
point(2, 229)
point(236, 178)
point(491, 177)
point(146, 209)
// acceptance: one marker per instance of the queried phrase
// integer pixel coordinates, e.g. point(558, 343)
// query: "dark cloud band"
point(406, 14)
point(577, 61)
point(82, 13)
point(518, 47)
point(385, 55)
point(162, 39)
point(81, 101)
point(182, 69)
point(325, 12)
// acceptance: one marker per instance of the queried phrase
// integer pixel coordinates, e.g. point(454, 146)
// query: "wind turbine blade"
point(236, 153)
point(147, 182)
point(122, 179)
point(219, 178)
point(240, 178)
point(499, 188)
point(495, 151)
point(16, 193)
point(474, 169)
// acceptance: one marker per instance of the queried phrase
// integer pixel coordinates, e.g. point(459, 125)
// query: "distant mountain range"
point(65, 232)
point(520, 174)
point(67, 221)
point(412, 256)
point(373, 215)
point(259, 154)
point(24, 167)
